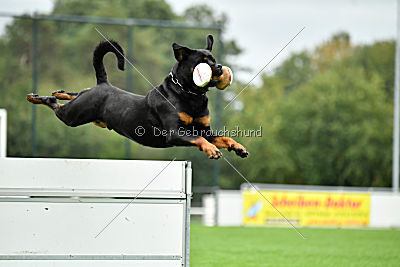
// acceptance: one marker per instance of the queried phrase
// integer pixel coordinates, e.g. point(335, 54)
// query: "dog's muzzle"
point(224, 79)
point(216, 70)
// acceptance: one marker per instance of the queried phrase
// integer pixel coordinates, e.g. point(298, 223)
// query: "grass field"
point(245, 246)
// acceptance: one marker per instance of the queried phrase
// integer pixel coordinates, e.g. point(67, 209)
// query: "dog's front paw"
point(212, 151)
point(239, 150)
point(243, 153)
point(217, 155)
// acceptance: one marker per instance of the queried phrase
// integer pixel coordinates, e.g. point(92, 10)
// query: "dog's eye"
point(205, 59)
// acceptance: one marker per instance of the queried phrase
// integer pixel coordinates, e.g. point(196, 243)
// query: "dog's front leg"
point(229, 144)
point(200, 142)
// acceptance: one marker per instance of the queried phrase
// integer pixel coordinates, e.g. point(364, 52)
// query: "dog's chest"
point(188, 119)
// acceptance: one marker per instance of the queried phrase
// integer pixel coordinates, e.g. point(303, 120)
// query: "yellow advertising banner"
point(306, 208)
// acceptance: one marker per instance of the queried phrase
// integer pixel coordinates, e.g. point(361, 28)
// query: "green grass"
point(251, 246)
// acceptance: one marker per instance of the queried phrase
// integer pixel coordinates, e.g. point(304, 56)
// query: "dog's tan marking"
point(208, 148)
point(186, 118)
point(63, 96)
point(100, 124)
point(205, 120)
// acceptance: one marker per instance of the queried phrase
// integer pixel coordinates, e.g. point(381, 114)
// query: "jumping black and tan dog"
point(172, 114)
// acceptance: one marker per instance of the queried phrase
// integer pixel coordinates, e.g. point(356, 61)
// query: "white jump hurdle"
point(52, 209)
point(3, 133)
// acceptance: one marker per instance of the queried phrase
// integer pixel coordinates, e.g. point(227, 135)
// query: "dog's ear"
point(210, 41)
point(180, 51)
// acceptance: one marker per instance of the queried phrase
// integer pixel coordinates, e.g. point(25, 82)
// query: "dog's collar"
point(175, 81)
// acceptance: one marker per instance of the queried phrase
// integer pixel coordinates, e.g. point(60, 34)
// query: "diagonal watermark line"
point(265, 199)
point(144, 77)
point(264, 67)
point(141, 191)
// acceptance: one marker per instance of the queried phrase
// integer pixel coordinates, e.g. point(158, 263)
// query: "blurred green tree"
point(326, 117)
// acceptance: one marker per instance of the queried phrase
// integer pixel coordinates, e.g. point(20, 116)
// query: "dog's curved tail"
point(101, 49)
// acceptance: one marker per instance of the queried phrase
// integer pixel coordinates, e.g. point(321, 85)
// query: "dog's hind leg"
point(62, 95)
point(80, 110)
point(85, 108)
point(49, 101)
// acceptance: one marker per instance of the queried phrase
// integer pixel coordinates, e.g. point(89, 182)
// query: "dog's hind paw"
point(33, 98)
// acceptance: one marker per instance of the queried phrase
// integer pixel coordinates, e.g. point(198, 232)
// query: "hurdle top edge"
point(89, 160)
point(93, 174)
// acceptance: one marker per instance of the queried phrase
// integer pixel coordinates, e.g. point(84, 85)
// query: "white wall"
point(209, 210)
point(229, 207)
point(385, 210)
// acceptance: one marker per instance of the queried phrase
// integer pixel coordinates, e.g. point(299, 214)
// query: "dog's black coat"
point(159, 110)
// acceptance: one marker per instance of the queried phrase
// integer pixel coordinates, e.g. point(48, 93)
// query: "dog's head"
point(188, 59)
